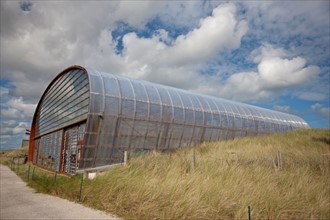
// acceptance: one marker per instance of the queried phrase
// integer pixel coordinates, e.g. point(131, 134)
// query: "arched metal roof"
point(119, 113)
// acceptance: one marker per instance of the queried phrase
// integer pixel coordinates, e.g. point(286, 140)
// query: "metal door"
point(73, 142)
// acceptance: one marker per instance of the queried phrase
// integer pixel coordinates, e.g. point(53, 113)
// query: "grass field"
point(215, 181)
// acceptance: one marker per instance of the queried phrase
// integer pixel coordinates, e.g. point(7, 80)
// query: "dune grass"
point(227, 177)
point(222, 180)
point(6, 156)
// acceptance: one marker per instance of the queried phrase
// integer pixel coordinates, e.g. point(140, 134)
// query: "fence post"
point(125, 157)
point(193, 158)
point(17, 166)
point(278, 163)
point(81, 185)
point(279, 160)
point(29, 173)
point(249, 212)
point(33, 172)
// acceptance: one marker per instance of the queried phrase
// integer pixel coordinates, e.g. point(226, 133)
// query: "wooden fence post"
point(81, 187)
point(278, 162)
point(193, 158)
point(126, 157)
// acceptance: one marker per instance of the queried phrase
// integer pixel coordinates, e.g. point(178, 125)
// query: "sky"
point(272, 54)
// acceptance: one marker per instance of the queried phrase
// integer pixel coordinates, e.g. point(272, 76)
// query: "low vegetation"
point(7, 156)
point(280, 176)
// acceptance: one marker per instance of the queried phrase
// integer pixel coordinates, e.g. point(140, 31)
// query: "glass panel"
point(153, 94)
point(178, 115)
point(186, 100)
point(155, 112)
point(175, 98)
point(189, 116)
point(199, 118)
point(66, 102)
point(48, 151)
point(126, 88)
point(142, 110)
point(111, 86)
point(97, 84)
point(167, 113)
point(165, 98)
point(140, 93)
point(127, 108)
point(111, 105)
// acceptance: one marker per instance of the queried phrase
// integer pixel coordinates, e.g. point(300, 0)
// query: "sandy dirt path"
point(21, 202)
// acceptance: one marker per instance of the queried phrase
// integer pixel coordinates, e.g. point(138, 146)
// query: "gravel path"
point(21, 202)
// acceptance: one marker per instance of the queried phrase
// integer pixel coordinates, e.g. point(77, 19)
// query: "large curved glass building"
point(87, 119)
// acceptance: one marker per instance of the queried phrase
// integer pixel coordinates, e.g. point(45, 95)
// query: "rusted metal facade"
point(87, 119)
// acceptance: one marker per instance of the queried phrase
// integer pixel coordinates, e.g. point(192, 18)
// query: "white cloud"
point(35, 46)
point(20, 105)
point(217, 32)
point(243, 86)
point(12, 127)
point(20, 128)
point(267, 51)
point(311, 96)
point(10, 113)
point(3, 91)
point(302, 26)
point(280, 73)
point(274, 76)
point(285, 108)
point(127, 11)
point(321, 110)
point(177, 64)
point(5, 137)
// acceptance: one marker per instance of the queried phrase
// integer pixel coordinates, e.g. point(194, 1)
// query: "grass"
point(226, 178)
point(7, 155)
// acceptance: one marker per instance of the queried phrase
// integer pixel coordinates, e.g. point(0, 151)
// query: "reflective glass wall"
point(64, 104)
point(128, 114)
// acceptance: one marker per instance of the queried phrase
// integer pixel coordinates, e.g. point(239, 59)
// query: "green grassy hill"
point(216, 181)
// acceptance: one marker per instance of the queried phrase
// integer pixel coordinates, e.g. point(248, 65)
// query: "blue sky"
point(273, 54)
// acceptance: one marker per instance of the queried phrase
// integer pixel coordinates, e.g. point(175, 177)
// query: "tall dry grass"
point(227, 177)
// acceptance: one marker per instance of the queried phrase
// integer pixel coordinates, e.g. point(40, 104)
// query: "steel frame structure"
point(87, 118)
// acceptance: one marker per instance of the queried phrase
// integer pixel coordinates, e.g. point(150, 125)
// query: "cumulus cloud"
point(20, 128)
point(275, 74)
point(267, 51)
point(10, 113)
point(177, 64)
point(38, 42)
point(280, 73)
point(280, 108)
point(303, 26)
point(20, 105)
point(217, 32)
point(12, 127)
point(15, 118)
point(311, 96)
point(3, 91)
point(321, 110)
point(168, 42)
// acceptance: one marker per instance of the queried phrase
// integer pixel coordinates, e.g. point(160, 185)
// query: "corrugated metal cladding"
point(64, 104)
point(128, 114)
